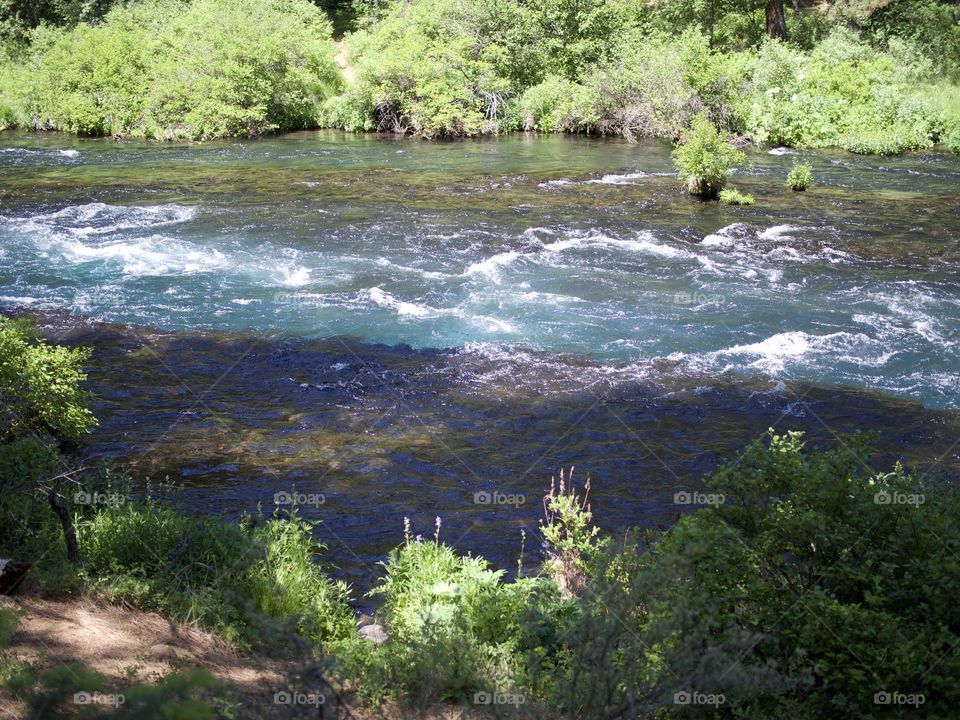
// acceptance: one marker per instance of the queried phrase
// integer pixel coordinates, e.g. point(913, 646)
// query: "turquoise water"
point(555, 245)
point(400, 325)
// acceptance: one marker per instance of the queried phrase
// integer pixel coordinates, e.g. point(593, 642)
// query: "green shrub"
point(845, 93)
point(40, 390)
point(775, 560)
point(93, 81)
point(233, 578)
point(558, 105)
point(455, 628)
point(735, 197)
point(206, 69)
point(429, 69)
point(704, 158)
point(800, 177)
point(241, 68)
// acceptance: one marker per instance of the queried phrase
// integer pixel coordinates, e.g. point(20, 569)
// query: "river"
point(403, 328)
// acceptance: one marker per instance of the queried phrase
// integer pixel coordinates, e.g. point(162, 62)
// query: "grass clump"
point(800, 177)
point(731, 196)
point(234, 578)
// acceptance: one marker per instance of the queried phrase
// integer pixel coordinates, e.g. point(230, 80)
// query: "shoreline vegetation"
point(805, 584)
point(873, 77)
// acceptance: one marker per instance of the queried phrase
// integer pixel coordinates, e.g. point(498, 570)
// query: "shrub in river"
point(800, 177)
point(704, 158)
point(735, 197)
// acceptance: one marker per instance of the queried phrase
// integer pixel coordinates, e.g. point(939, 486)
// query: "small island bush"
point(704, 158)
point(800, 177)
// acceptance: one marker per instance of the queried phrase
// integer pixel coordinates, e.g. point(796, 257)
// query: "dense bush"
point(844, 93)
point(40, 391)
point(208, 69)
point(241, 68)
point(844, 572)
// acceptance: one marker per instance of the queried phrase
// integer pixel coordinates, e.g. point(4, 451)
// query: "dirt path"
point(133, 646)
point(128, 646)
point(343, 62)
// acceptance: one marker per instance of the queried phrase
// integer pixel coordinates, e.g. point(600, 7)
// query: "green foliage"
point(93, 80)
point(559, 105)
point(455, 628)
point(931, 26)
point(40, 390)
point(731, 196)
point(777, 559)
point(229, 577)
point(210, 69)
point(240, 69)
point(197, 69)
point(845, 93)
point(704, 158)
point(800, 177)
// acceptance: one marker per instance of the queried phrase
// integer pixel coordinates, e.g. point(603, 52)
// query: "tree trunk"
point(69, 533)
point(776, 21)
